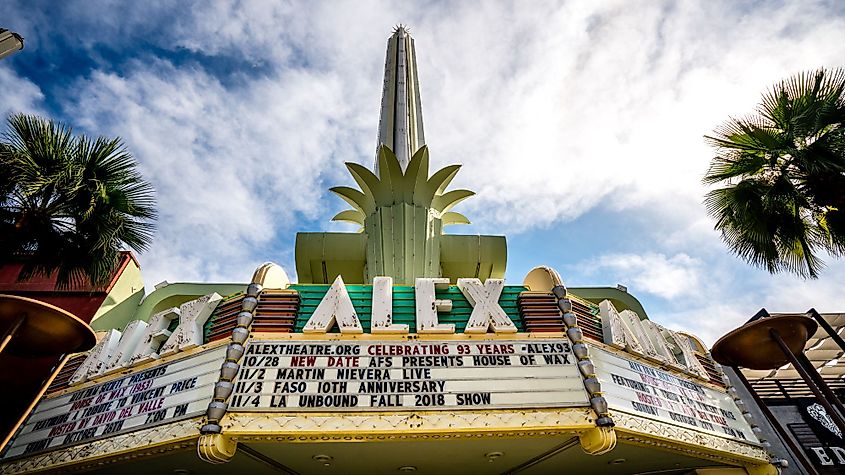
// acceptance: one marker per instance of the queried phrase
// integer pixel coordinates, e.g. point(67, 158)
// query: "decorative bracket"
point(598, 441)
point(216, 448)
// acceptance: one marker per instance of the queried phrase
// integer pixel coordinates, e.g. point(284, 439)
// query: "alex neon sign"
point(487, 314)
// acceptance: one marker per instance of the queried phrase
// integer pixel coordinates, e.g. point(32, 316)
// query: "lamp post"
point(769, 343)
point(32, 328)
point(10, 42)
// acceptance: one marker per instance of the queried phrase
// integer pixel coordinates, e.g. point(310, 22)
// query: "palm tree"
point(69, 204)
point(783, 171)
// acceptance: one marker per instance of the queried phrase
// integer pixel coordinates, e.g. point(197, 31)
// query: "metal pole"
point(820, 382)
point(543, 457)
point(773, 421)
point(34, 402)
point(10, 331)
point(821, 399)
point(829, 329)
point(256, 455)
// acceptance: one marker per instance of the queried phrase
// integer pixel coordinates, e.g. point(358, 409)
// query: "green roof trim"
point(620, 299)
point(174, 295)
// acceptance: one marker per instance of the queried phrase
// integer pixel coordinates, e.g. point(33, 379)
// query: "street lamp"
point(9, 42)
point(769, 342)
point(31, 328)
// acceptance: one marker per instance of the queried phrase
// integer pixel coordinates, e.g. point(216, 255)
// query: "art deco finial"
point(400, 121)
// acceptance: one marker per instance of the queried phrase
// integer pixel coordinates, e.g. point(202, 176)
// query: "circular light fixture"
point(491, 456)
point(181, 471)
point(616, 461)
point(407, 468)
point(326, 460)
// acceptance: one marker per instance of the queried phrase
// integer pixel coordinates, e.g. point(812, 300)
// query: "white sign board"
point(320, 376)
point(645, 391)
point(143, 399)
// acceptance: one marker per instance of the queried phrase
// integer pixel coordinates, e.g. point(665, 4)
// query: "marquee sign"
point(625, 330)
point(645, 391)
point(350, 375)
point(143, 399)
point(142, 342)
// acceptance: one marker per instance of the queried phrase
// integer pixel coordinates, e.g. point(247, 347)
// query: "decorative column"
point(602, 439)
point(213, 446)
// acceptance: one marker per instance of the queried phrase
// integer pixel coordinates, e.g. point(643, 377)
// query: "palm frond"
point(789, 160)
point(726, 167)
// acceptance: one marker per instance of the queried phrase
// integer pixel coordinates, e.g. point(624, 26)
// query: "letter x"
point(486, 311)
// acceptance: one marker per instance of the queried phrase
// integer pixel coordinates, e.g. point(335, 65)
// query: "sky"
point(579, 124)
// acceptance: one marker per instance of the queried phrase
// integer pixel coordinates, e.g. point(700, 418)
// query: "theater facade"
point(400, 348)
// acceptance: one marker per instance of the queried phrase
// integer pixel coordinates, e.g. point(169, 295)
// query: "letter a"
point(335, 306)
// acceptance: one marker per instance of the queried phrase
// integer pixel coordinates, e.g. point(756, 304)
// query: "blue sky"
point(579, 124)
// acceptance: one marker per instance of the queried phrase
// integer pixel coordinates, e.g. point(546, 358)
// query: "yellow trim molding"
point(216, 448)
point(647, 432)
point(139, 444)
point(327, 427)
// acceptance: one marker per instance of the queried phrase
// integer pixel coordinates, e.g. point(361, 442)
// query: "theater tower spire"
point(400, 122)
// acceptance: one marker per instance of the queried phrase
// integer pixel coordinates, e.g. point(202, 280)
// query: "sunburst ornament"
point(392, 186)
point(402, 213)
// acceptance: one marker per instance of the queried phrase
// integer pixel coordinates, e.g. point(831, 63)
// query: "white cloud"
point(551, 109)
point(667, 277)
point(231, 168)
point(20, 95)
point(726, 303)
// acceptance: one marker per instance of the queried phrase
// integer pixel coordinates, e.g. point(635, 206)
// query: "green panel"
point(473, 256)
point(119, 315)
point(404, 307)
point(320, 257)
